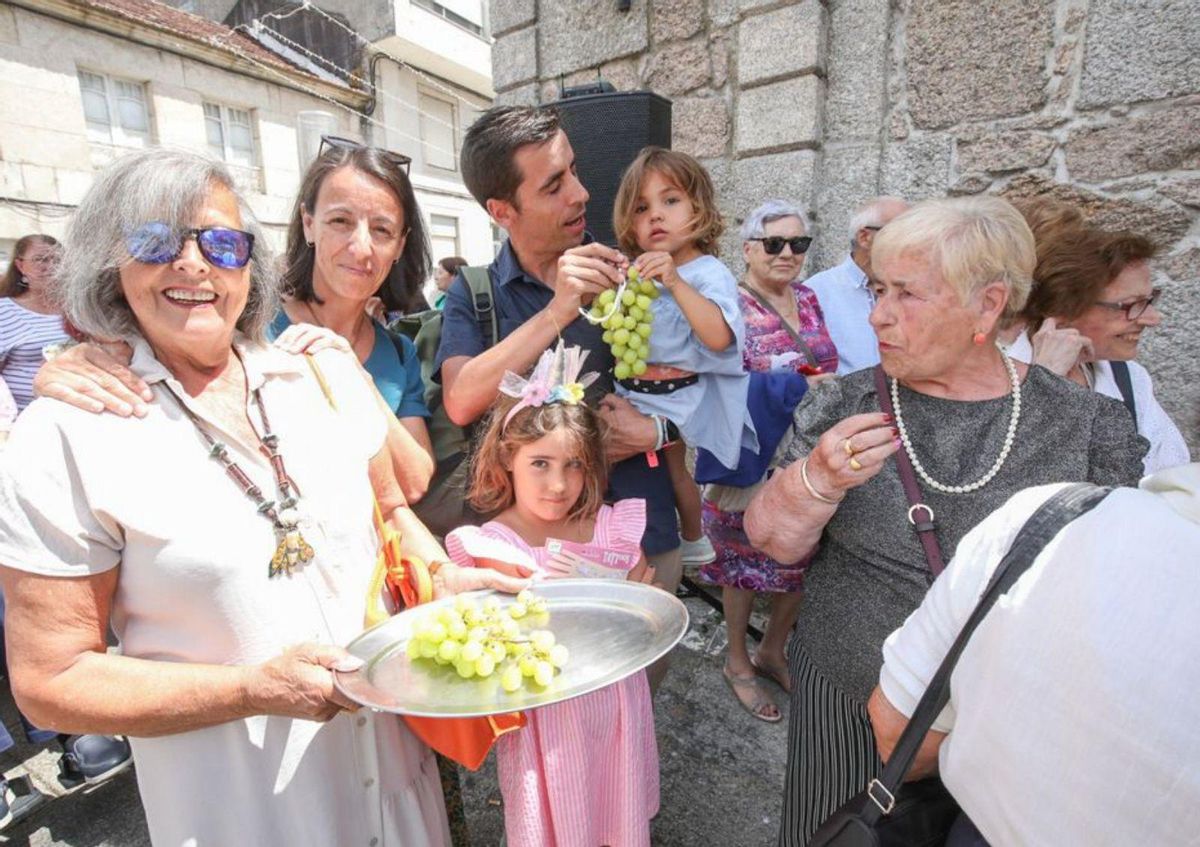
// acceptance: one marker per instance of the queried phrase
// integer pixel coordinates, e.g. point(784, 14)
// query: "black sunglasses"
point(157, 243)
point(773, 244)
point(1134, 309)
point(336, 142)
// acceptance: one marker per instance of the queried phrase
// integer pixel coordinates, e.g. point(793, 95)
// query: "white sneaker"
point(698, 552)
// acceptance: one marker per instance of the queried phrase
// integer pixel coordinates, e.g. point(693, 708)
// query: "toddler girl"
point(665, 213)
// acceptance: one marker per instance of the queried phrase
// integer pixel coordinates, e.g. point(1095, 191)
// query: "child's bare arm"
point(705, 316)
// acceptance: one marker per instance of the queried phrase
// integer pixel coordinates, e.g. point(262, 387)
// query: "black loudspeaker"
point(607, 132)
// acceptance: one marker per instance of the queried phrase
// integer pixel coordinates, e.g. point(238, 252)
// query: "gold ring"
point(855, 465)
point(848, 447)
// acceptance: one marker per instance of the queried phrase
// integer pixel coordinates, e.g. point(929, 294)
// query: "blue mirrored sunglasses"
point(156, 243)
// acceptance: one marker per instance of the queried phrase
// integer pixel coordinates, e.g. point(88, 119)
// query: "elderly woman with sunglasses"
point(975, 427)
point(1092, 299)
point(356, 233)
point(785, 333)
point(226, 537)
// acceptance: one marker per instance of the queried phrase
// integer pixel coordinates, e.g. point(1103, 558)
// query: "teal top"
point(393, 365)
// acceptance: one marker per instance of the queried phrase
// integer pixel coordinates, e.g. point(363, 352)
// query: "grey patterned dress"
point(869, 572)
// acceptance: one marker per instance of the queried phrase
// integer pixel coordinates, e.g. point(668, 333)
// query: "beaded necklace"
point(1009, 437)
point(291, 549)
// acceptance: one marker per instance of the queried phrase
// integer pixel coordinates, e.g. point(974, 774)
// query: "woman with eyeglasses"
point(785, 333)
point(356, 235)
point(30, 320)
point(1092, 300)
point(226, 536)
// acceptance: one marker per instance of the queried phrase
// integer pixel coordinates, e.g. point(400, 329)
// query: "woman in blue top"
point(356, 233)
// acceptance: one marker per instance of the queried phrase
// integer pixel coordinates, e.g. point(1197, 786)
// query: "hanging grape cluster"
point(484, 640)
point(626, 316)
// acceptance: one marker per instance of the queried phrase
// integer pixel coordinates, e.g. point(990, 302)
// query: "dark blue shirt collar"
point(507, 268)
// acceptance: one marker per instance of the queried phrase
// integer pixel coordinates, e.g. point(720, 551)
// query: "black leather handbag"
point(894, 813)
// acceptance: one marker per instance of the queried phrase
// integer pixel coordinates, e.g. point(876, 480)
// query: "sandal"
point(758, 706)
point(778, 675)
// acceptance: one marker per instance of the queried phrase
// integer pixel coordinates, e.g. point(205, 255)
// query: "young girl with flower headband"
point(666, 214)
point(584, 771)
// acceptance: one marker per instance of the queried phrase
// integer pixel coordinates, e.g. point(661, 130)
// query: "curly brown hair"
point(692, 179)
point(491, 488)
point(1075, 262)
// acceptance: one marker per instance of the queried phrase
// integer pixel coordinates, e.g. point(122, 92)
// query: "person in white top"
point(844, 291)
point(1091, 301)
point(226, 536)
point(1073, 712)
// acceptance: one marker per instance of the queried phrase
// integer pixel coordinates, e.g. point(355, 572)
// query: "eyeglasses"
point(156, 243)
point(773, 244)
point(1135, 308)
point(51, 259)
point(398, 160)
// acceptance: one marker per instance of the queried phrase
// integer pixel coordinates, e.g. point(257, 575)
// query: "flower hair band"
point(555, 379)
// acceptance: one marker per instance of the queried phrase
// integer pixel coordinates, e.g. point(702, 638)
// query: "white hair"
point(969, 241)
point(870, 214)
point(768, 212)
point(149, 185)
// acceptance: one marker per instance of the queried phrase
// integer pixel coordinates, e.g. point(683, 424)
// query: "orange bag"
point(406, 582)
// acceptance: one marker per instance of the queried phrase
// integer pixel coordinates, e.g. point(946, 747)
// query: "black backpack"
point(444, 506)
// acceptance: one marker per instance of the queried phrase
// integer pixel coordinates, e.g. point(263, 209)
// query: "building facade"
point(83, 82)
point(1095, 102)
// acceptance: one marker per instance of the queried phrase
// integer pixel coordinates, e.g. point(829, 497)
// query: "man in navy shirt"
point(519, 165)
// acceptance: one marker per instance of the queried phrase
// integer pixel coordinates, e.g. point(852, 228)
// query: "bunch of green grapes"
point(626, 317)
point(483, 640)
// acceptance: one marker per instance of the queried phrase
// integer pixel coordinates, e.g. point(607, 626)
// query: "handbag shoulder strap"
point(1120, 372)
point(919, 514)
point(797, 337)
point(381, 526)
point(1050, 518)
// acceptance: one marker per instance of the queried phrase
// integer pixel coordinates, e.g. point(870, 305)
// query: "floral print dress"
point(768, 347)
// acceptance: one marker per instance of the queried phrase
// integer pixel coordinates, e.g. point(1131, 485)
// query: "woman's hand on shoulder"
point(310, 339)
point(851, 452)
point(659, 265)
point(299, 683)
point(1060, 349)
point(95, 378)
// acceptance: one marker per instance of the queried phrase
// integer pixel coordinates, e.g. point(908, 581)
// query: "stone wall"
point(1096, 102)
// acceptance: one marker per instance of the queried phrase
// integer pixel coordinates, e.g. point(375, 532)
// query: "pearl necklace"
point(1009, 437)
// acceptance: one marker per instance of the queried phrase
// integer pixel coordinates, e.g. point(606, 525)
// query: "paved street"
point(722, 771)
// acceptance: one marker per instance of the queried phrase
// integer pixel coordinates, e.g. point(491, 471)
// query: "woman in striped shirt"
point(29, 318)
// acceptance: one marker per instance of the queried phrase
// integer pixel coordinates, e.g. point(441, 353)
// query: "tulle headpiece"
point(555, 379)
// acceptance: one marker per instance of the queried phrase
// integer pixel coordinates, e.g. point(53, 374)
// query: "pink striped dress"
point(584, 772)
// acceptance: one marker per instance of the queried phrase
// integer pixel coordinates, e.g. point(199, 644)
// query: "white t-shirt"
point(1167, 447)
point(1073, 716)
point(83, 493)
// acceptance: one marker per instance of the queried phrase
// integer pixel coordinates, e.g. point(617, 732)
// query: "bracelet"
point(435, 566)
point(660, 429)
point(816, 495)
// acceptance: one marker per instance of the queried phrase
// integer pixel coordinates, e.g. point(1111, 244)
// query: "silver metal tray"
point(613, 629)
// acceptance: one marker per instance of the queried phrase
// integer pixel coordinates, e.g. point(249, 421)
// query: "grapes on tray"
point(485, 640)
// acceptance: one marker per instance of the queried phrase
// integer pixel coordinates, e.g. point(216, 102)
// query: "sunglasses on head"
point(157, 243)
point(773, 244)
point(336, 142)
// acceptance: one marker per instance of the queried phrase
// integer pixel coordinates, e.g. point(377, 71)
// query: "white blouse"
point(1167, 447)
point(83, 493)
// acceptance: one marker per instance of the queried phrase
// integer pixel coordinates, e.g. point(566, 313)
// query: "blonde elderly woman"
point(976, 426)
point(226, 537)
